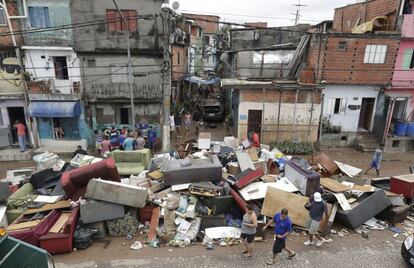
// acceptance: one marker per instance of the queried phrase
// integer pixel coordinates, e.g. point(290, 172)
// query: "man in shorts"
point(316, 210)
point(283, 227)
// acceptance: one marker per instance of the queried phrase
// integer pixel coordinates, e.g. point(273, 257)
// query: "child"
point(376, 160)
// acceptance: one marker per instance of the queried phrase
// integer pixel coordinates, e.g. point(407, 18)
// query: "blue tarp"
point(54, 109)
point(199, 80)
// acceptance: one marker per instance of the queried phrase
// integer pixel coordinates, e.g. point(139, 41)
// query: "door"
point(365, 116)
point(254, 122)
point(124, 116)
point(15, 113)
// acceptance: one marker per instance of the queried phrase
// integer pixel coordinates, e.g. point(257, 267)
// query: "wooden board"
point(276, 200)
point(327, 163)
point(155, 175)
point(155, 218)
point(328, 226)
point(363, 188)
point(47, 207)
point(57, 227)
point(333, 185)
point(23, 225)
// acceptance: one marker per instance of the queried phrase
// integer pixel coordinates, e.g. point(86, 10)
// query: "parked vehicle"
point(213, 110)
point(407, 250)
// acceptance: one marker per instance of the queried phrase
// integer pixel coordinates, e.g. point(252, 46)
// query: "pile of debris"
point(199, 192)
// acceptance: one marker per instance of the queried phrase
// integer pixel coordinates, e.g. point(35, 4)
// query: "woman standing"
point(106, 146)
point(187, 122)
point(248, 231)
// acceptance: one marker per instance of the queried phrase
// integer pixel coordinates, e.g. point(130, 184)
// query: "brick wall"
point(179, 67)
point(207, 22)
point(7, 41)
point(346, 66)
point(346, 17)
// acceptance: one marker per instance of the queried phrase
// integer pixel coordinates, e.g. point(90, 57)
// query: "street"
point(380, 250)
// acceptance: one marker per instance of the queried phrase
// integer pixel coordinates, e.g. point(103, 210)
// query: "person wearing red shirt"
point(21, 135)
point(256, 140)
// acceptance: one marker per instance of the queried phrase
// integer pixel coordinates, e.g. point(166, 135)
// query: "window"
point(119, 74)
point(39, 17)
point(337, 106)
point(2, 17)
point(115, 23)
point(178, 58)
point(408, 60)
point(61, 68)
point(375, 54)
point(91, 63)
point(343, 45)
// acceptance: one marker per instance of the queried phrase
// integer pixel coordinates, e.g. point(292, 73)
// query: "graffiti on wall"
point(10, 76)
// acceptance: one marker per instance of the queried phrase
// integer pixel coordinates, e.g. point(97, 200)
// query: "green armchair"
point(17, 202)
point(131, 162)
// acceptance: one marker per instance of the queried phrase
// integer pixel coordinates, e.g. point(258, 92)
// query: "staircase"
point(366, 142)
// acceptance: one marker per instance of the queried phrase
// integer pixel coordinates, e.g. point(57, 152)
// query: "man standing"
point(283, 227)
point(317, 207)
point(21, 135)
point(376, 160)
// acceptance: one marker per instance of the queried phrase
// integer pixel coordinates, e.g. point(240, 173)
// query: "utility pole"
point(166, 78)
point(130, 77)
point(297, 14)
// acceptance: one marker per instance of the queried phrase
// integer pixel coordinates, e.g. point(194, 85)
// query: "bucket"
point(145, 213)
point(400, 128)
point(410, 129)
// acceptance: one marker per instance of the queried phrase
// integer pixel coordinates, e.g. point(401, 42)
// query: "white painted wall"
point(271, 110)
point(354, 95)
point(43, 68)
point(3, 109)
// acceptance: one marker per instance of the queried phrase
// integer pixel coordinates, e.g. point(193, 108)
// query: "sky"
point(275, 12)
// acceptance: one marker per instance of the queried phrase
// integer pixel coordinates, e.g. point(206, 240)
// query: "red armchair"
point(74, 182)
point(61, 242)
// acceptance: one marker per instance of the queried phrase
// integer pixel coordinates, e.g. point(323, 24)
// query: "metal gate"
point(254, 121)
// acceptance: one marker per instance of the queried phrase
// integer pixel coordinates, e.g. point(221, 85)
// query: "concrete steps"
point(8, 155)
point(366, 142)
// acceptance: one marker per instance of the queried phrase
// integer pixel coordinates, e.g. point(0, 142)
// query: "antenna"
point(297, 14)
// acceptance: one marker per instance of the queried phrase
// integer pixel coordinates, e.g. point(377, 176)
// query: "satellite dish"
point(175, 5)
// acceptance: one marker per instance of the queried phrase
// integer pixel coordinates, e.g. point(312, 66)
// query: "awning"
point(54, 109)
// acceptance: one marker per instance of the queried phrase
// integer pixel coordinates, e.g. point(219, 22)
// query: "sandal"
point(244, 251)
point(247, 256)
point(291, 256)
point(270, 262)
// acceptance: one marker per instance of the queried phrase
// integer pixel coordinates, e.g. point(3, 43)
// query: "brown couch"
point(74, 182)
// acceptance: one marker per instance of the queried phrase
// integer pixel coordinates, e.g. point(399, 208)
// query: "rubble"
point(198, 193)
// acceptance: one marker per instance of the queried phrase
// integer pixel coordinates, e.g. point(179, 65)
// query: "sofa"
point(32, 235)
point(192, 170)
point(16, 201)
point(131, 162)
point(61, 242)
point(74, 182)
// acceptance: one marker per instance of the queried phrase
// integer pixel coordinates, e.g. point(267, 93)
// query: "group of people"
point(125, 139)
point(283, 227)
point(187, 118)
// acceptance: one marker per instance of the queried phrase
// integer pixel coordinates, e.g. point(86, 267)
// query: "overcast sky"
point(275, 12)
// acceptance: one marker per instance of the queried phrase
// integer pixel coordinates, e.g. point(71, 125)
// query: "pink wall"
point(403, 78)
point(407, 30)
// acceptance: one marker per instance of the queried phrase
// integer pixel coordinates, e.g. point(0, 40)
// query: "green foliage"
point(328, 128)
point(288, 147)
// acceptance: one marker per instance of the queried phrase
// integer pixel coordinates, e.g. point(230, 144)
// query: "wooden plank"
point(57, 227)
point(327, 163)
point(155, 175)
point(333, 185)
point(23, 225)
point(363, 188)
point(328, 226)
point(47, 207)
point(276, 200)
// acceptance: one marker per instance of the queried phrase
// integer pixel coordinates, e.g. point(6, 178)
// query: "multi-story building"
point(54, 80)
point(102, 50)
point(354, 57)
point(270, 96)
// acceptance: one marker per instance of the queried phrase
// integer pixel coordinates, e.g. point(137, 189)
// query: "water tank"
point(400, 128)
point(410, 129)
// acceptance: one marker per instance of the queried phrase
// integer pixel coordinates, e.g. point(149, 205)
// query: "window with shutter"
point(408, 60)
point(115, 23)
point(39, 17)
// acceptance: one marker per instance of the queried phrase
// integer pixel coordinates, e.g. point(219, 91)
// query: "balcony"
point(47, 90)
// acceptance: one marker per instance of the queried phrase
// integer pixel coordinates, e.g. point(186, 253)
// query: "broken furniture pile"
point(197, 193)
